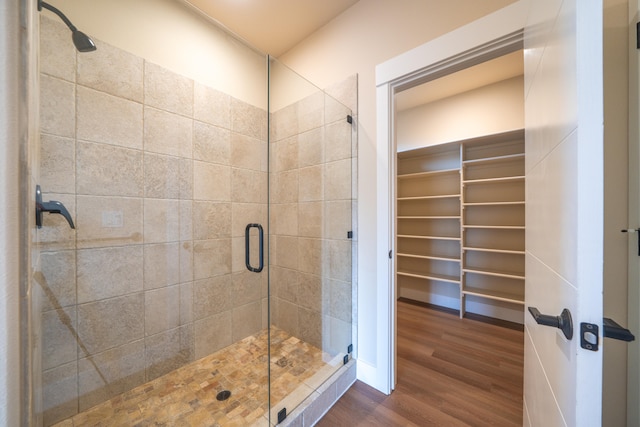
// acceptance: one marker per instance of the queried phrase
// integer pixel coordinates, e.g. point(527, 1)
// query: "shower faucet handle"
point(52, 206)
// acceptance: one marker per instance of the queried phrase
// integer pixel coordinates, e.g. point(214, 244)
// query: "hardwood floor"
point(451, 372)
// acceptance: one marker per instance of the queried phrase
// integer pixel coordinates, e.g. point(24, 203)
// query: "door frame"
point(492, 36)
point(16, 103)
point(633, 313)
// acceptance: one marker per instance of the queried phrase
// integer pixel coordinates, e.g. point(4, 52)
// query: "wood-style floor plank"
point(451, 372)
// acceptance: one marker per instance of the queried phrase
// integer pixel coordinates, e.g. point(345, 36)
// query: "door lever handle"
point(613, 330)
point(562, 322)
point(52, 206)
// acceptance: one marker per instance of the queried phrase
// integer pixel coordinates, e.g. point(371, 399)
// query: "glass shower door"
point(310, 218)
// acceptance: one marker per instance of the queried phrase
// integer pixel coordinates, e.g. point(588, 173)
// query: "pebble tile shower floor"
point(187, 396)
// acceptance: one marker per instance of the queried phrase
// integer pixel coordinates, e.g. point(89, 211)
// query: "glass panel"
point(147, 308)
point(311, 250)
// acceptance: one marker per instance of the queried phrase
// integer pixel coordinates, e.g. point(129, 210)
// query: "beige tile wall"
point(161, 175)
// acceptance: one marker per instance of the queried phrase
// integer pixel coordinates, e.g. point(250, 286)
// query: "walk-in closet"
point(460, 192)
point(461, 225)
point(460, 235)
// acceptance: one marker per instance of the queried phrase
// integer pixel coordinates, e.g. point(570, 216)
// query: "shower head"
point(82, 41)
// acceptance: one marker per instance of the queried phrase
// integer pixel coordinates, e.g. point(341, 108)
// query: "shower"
point(82, 41)
point(212, 248)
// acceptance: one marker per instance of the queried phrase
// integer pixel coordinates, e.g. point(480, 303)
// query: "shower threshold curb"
point(313, 408)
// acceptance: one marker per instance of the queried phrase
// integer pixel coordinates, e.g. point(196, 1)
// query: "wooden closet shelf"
point(432, 257)
point(428, 217)
point(492, 160)
point(494, 180)
point(519, 202)
point(420, 236)
point(431, 276)
point(428, 173)
point(494, 295)
point(498, 251)
point(496, 227)
point(495, 273)
point(438, 196)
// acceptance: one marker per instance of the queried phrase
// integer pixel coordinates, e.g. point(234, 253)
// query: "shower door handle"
point(247, 247)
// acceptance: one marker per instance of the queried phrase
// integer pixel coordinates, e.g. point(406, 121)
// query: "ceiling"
point(483, 74)
point(276, 26)
point(272, 26)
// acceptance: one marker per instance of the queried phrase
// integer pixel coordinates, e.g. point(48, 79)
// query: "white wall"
point(367, 34)
point(10, 134)
point(168, 33)
point(488, 110)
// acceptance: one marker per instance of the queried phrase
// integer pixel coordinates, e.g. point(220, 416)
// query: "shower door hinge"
point(345, 359)
point(282, 414)
point(633, 230)
point(349, 234)
point(349, 119)
point(391, 254)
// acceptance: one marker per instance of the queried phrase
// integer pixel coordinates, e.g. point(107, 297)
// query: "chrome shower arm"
point(82, 42)
point(57, 11)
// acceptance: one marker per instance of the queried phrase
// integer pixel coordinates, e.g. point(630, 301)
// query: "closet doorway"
point(460, 226)
point(460, 190)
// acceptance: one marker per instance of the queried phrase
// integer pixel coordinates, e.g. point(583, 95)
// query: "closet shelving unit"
point(493, 219)
point(429, 215)
point(460, 217)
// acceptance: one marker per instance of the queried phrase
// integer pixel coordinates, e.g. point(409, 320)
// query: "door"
point(564, 175)
point(310, 236)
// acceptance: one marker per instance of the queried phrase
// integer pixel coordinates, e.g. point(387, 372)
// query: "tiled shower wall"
point(312, 201)
point(161, 174)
